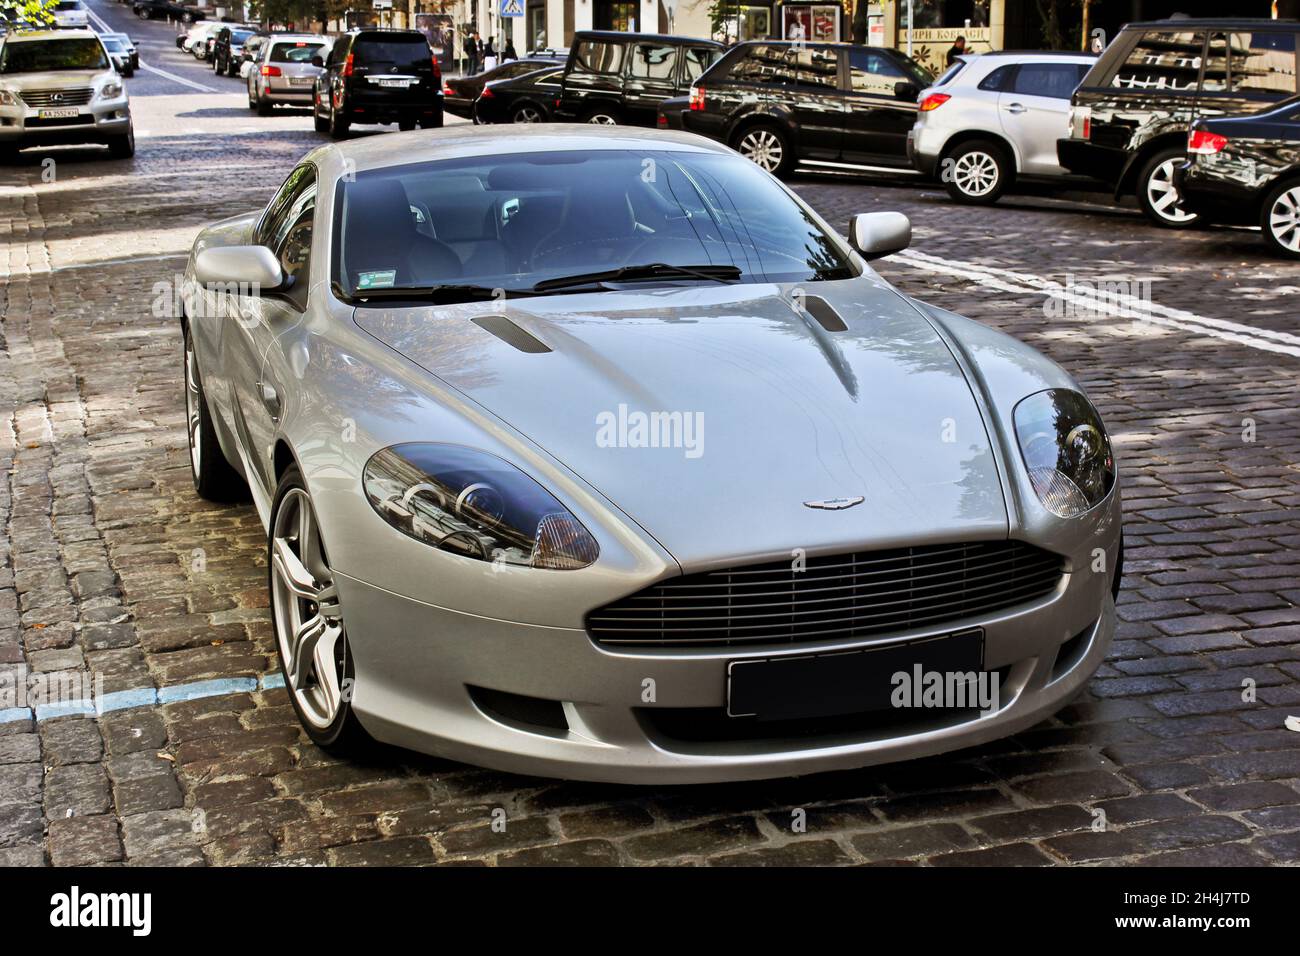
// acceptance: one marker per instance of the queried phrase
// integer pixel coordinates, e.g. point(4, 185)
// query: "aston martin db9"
point(596, 453)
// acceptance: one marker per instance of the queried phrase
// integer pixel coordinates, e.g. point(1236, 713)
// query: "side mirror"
point(253, 269)
point(317, 61)
point(906, 90)
point(880, 234)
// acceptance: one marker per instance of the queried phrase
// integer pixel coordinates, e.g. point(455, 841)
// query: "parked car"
point(284, 71)
point(165, 10)
point(198, 34)
point(1245, 170)
point(993, 118)
point(130, 47)
point(670, 112)
point(378, 76)
point(118, 53)
point(58, 87)
point(1129, 117)
point(459, 93)
point(71, 14)
point(993, 560)
point(228, 47)
point(781, 103)
point(201, 45)
point(614, 78)
point(250, 53)
point(529, 98)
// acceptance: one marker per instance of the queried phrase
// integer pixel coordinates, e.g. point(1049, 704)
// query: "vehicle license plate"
point(65, 112)
point(401, 84)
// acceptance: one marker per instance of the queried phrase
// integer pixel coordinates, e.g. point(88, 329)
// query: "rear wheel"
point(766, 147)
point(321, 123)
point(976, 172)
point(337, 126)
point(1157, 195)
point(263, 106)
point(528, 113)
point(406, 125)
point(601, 116)
point(1280, 219)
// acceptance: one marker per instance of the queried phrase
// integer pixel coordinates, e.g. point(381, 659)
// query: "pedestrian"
point(471, 48)
point(957, 49)
point(510, 53)
point(489, 56)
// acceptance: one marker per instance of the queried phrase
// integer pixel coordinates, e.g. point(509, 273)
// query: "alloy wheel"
point(528, 114)
point(192, 400)
point(308, 614)
point(1163, 195)
point(602, 119)
point(761, 147)
point(1284, 219)
point(975, 173)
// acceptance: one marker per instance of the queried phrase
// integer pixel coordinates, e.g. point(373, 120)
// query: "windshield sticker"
point(377, 280)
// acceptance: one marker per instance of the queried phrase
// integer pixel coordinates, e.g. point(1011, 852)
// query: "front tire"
point(214, 479)
point(1280, 219)
point(308, 623)
point(123, 147)
point(767, 147)
point(337, 126)
point(977, 172)
point(1156, 193)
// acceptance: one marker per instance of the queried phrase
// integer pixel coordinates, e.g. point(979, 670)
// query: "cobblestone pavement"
point(110, 564)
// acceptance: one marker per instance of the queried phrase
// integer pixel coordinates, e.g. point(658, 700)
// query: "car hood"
point(765, 411)
point(54, 79)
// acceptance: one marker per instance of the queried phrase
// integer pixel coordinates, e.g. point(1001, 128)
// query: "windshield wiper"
point(443, 293)
point(651, 270)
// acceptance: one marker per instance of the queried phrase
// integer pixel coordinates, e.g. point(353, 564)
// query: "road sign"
point(512, 8)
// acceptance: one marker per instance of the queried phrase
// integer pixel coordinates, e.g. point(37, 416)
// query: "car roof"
point(1082, 54)
point(459, 141)
point(1249, 22)
point(29, 36)
point(619, 36)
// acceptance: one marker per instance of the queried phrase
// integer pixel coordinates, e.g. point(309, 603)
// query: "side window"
point(999, 79)
point(697, 59)
point(816, 68)
point(653, 61)
point(873, 72)
point(338, 53)
point(594, 57)
point(1162, 60)
point(292, 242)
point(766, 64)
point(1263, 62)
point(274, 220)
point(1056, 80)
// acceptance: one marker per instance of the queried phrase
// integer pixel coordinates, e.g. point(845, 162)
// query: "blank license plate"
point(65, 112)
point(853, 682)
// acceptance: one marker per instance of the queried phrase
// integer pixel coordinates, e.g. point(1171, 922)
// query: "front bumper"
point(94, 123)
point(419, 668)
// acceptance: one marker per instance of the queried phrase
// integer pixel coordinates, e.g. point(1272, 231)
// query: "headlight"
point(9, 98)
point(111, 90)
point(476, 505)
point(1066, 450)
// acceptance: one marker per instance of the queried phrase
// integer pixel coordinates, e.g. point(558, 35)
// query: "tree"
point(34, 13)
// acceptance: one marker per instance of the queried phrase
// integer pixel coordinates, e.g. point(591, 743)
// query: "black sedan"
point(1245, 170)
point(525, 99)
point(459, 94)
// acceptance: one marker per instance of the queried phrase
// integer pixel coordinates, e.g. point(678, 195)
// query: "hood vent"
point(824, 313)
point(511, 334)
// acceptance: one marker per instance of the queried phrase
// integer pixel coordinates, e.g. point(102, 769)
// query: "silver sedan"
point(598, 454)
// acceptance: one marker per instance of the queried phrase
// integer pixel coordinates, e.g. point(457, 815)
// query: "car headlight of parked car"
point(476, 505)
point(110, 90)
point(1066, 451)
point(9, 98)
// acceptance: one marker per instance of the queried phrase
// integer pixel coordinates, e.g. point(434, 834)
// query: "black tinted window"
point(697, 60)
point(816, 67)
point(297, 52)
point(999, 79)
point(765, 63)
point(1263, 61)
point(1164, 60)
point(653, 61)
point(595, 57)
point(873, 72)
point(1057, 80)
point(81, 53)
point(406, 55)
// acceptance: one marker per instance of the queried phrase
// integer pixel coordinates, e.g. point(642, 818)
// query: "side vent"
point(510, 333)
point(824, 313)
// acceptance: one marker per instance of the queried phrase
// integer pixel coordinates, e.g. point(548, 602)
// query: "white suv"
point(993, 117)
point(59, 86)
point(71, 15)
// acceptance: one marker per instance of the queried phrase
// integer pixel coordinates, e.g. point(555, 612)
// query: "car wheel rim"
point(192, 406)
point(975, 173)
point(602, 119)
point(762, 148)
point(1284, 219)
point(528, 115)
point(308, 615)
point(1163, 196)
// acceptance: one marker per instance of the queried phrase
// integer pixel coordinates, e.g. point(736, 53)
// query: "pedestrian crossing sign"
point(512, 8)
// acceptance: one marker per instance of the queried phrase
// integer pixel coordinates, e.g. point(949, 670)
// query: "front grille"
point(833, 597)
point(46, 99)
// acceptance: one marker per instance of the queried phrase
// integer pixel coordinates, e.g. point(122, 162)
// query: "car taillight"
point(487, 93)
point(347, 66)
point(1080, 122)
point(270, 70)
point(697, 98)
point(447, 90)
point(933, 101)
point(437, 72)
point(1204, 142)
point(661, 120)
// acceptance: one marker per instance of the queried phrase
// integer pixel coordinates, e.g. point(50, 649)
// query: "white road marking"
point(103, 27)
point(1107, 302)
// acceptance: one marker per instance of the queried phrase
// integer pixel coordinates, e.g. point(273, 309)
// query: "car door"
point(816, 103)
point(876, 119)
point(330, 82)
point(263, 316)
point(1034, 111)
point(651, 76)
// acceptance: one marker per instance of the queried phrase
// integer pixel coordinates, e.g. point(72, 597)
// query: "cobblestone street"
point(110, 564)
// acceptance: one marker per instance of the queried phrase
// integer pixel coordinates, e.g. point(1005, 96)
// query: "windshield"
point(239, 36)
point(297, 52)
point(80, 53)
point(510, 222)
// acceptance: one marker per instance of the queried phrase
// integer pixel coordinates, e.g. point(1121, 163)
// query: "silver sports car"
point(596, 453)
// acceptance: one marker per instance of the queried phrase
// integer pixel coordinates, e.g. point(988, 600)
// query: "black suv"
point(616, 78)
point(165, 9)
point(228, 48)
point(1130, 115)
point(378, 76)
point(779, 103)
